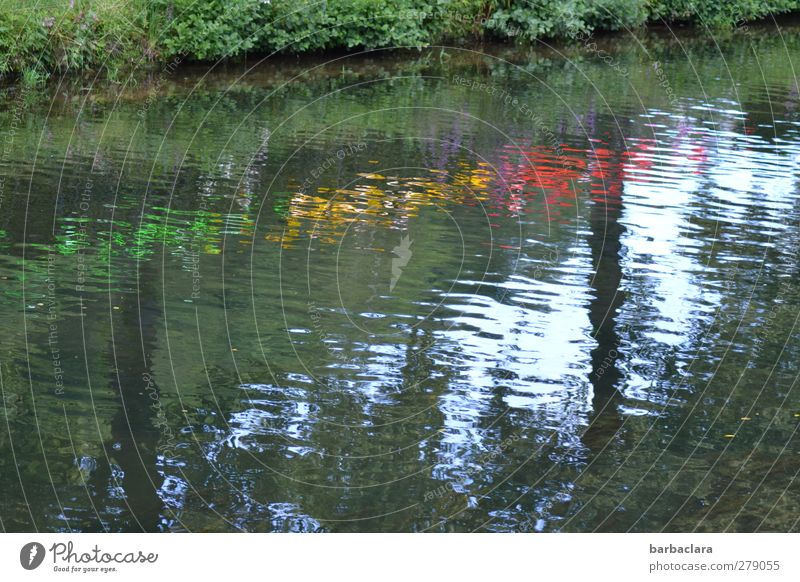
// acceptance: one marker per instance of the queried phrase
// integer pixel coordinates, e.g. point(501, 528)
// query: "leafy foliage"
point(208, 30)
point(93, 35)
point(61, 37)
point(719, 13)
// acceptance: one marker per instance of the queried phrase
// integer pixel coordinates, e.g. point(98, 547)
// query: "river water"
point(545, 289)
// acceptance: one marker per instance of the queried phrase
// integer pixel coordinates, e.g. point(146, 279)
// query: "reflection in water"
point(472, 322)
point(135, 438)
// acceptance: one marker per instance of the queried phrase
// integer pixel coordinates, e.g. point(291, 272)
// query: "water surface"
point(450, 290)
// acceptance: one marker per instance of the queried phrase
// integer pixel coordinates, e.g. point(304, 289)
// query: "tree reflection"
point(605, 242)
point(134, 437)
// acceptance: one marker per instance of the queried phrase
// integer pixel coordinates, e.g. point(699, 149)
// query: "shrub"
point(205, 30)
point(718, 13)
point(56, 36)
point(84, 35)
point(21, 42)
point(533, 19)
point(347, 24)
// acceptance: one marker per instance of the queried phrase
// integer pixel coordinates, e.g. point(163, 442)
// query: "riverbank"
point(115, 38)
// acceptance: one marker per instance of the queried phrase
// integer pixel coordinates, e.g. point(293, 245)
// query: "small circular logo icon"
point(31, 555)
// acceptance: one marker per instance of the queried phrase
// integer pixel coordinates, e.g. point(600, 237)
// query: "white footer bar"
point(355, 557)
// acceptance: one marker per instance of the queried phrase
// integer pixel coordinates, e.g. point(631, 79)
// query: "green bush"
point(90, 35)
point(60, 37)
point(227, 28)
point(347, 24)
point(21, 42)
point(534, 19)
point(616, 14)
point(207, 29)
point(537, 19)
point(461, 19)
point(718, 13)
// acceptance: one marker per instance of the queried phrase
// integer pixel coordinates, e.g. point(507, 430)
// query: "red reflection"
point(527, 172)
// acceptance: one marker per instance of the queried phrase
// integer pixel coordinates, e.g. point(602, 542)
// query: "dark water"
point(449, 290)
